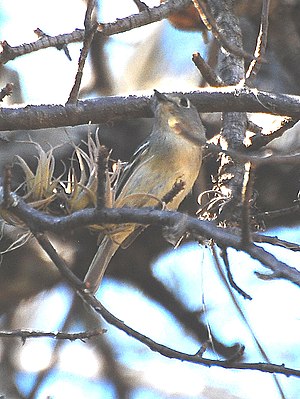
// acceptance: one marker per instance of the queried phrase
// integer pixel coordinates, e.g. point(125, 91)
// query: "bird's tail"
point(99, 264)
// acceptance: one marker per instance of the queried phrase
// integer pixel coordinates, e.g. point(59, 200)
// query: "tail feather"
point(99, 264)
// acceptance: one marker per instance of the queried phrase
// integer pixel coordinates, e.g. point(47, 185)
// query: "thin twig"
point(261, 140)
point(247, 191)
point(25, 334)
point(155, 346)
point(292, 210)
point(145, 17)
point(59, 262)
point(211, 24)
point(243, 317)
point(89, 33)
point(44, 373)
point(261, 44)
point(88, 24)
point(9, 53)
point(253, 127)
point(256, 159)
point(175, 190)
point(40, 34)
point(276, 241)
point(207, 72)
point(231, 281)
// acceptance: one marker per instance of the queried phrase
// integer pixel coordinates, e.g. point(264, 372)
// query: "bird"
point(171, 154)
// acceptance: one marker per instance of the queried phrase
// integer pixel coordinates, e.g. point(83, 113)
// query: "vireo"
point(171, 154)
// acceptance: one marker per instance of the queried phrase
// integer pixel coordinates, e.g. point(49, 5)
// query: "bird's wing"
point(137, 158)
point(129, 240)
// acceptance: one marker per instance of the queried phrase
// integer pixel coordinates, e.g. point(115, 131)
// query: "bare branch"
point(89, 33)
point(254, 128)
point(276, 241)
point(145, 17)
point(40, 34)
point(105, 109)
point(292, 210)
point(261, 44)
point(39, 221)
point(24, 334)
point(260, 140)
point(229, 179)
point(211, 24)
point(243, 317)
point(256, 159)
point(207, 72)
point(155, 346)
point(9, 53)
point(230, 277)
point(247, 192)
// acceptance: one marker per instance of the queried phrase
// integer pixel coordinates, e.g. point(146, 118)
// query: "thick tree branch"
point(105, 109)
point(38, 221)
point(229, 180)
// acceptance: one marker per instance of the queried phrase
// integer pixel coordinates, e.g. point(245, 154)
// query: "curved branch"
point(38, 221)
point(89, 299)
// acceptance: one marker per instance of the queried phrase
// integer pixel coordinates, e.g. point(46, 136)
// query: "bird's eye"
point(184, 102)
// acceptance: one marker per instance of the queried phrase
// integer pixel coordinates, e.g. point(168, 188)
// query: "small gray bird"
point(171, 154)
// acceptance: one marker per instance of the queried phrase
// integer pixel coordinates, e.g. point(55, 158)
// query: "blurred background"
point(176, 297)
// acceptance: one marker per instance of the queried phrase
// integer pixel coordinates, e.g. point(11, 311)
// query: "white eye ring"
point(184, 102)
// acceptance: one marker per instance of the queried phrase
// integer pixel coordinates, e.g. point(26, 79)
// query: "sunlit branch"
point(247, 192)
point(261, 43)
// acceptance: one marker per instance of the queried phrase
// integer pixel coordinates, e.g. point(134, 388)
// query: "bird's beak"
point(160, 96)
